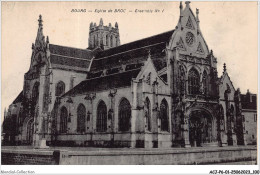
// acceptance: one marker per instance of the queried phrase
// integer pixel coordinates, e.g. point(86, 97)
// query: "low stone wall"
point(29, 157)
point(194, 156)
point(127, 156)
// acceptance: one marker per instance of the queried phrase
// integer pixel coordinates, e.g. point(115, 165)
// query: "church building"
point(158, 92)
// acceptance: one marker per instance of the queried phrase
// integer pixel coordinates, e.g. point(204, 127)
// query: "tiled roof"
point(70, 52)
point(110, 62)
point(134, 52)
point(19, 98)
point(248, 101)
point(104, 83)
point(69, 61)
point(70, 58)
point(163, 37)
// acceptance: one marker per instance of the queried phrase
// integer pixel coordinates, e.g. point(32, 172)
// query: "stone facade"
point(249, 113)
point(159, 92)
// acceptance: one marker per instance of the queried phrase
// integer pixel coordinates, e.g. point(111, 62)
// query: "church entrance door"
point(200, 128)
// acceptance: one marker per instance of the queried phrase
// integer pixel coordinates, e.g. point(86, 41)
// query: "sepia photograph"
point(129, 83)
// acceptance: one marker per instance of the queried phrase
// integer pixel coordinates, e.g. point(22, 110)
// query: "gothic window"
point(63, 119)
point(221, 113)
point(190, 39)
point(101, 117)
point(194, 82)
point(116, 41)
point(148, 113)
point(182, 80)
point(205, 82)
point(107, 40)
point(60, 88)
point(81, 120)
point(111, 41)
point(94, 41)
point(124, 115)
point(164, 112)
point(35, 91)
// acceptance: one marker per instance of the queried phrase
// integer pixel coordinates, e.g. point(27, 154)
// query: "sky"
point(229, 28)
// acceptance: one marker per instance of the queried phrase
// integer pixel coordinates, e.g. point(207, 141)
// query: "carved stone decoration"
point(200, 49)
point(180, 44)
point(181, 80)
point(148, 79)
point(112, 93)
point(110, 114)
point(90, 96)
point(190, 39)
point(189, 24)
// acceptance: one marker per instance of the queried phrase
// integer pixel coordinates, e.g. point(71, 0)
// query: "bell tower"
point(104, 37)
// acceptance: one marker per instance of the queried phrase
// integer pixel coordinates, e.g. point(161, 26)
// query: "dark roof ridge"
point(128, 51)
point(72, 47)
point(143, 38)
point(84, 81)
point(113, 74)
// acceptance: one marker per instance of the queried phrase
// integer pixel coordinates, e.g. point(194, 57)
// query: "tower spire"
point(181, 7)
point(224, 68)
point(101, 22)
point(40, 21)
point(187, 4)
point(40, 39)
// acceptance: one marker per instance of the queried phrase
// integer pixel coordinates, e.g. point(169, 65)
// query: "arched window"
point(63, 119)
point(164, 112)
point(194, 82)
point(95, 40)
point(35, 91)
point(101, 117)
point(107, 40)
point(116, 40)
point(124, 111)
point(60, 88)
point(111, 41)
point(81, 120)
point(222, 121)
point(205, 83)
point(182, 81)
point(148, 113)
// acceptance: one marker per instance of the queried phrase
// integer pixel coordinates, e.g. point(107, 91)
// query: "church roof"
point(134, 52)
point(19, 98)
point(70, 58)
point(104, 83)
point(70, 52)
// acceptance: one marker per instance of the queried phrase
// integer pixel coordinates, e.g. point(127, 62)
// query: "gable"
point(188, 36)
point(149, 74)
point(226, 83)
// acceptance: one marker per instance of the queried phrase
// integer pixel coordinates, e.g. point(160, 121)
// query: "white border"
point(134, 169)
